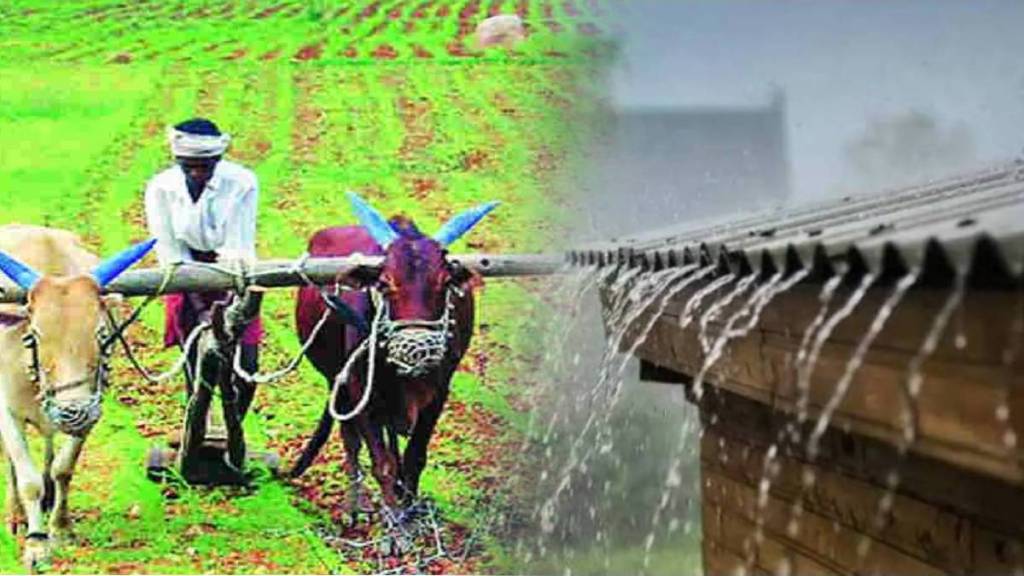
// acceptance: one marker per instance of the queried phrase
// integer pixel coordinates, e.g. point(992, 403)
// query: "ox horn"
point(112, 267)
point(462, 223)
point(372, 220)
point(22, 275)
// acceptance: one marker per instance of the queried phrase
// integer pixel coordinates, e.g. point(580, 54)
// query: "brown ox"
point(52, 367)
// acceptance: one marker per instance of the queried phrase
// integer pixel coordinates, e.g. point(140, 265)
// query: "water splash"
point(578, 457)
point(713, 311)
point(857, 359)
point(911, 389)
point(823, 334)
point(751, 310)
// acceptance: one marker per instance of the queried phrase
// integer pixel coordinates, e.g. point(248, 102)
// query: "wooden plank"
point(997, 553)
point(925, 531)
point(772, 554)
point(813, 534)
point(925, 479)
point(954, 425)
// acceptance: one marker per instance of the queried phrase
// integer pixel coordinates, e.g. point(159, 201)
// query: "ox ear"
point(111, 268)
point(22, 274)
point(372, 220)
point(462, 223)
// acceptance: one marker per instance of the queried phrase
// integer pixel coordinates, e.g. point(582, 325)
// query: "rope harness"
point(73, 417)
point(414, 347)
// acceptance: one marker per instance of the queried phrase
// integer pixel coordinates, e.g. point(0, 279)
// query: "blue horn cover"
point(462, 223)
point(21, 274)
point(372, 220)
point(111, 268)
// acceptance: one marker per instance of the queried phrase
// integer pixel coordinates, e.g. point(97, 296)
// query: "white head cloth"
point(196, 145)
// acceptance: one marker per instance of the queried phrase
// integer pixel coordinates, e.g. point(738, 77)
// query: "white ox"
point(52, 367)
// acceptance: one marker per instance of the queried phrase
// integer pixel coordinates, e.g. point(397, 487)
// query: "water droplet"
point(783, 568)
point(961, 341)
point(793, 528)
point(1003, 413)
point(863, 547)
point(1010, 439)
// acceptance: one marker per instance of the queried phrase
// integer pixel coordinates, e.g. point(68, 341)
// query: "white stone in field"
point(501, 30)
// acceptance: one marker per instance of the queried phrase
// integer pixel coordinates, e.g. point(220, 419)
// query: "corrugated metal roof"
point(970, 224)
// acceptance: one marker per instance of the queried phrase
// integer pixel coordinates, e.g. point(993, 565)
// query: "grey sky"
point(840, 64)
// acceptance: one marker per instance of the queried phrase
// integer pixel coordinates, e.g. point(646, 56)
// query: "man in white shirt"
point(203, 209)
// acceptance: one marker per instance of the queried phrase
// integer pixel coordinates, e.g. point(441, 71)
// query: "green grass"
point(84, 104)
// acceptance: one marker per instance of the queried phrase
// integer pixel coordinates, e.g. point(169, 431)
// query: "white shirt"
point(222, 220)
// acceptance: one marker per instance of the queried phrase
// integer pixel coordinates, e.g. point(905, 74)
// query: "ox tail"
point(312, 448)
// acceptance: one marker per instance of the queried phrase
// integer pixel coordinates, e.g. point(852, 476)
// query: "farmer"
point(203, 209)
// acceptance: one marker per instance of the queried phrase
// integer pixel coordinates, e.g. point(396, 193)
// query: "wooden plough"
point(205, 454)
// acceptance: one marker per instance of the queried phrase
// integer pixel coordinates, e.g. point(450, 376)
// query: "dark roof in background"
point(970, 224)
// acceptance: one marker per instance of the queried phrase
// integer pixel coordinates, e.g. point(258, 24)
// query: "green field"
point(389, 99)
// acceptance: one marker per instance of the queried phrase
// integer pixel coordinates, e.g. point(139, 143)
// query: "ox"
point(53, 367)
point(421, 307)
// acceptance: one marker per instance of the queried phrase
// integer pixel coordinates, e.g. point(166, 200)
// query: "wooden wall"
point(958, 506)
point(943, 520)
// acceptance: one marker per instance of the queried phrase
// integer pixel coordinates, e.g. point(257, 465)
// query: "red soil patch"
point(410, 26)
point(384, 52)
point(467, 18)
point(554, 26)
point(588, 29)
point(570, 9)
point(350, 52)
point(458, 49)
point(548, 10)
point(237, 54)
point(418, 124)
point(271, 55)
point(394, 14)
point(369, 11)
point(523, 9)
point(475, 160)
point(423, 187)
point(421, 10)
point(444, 11)
point(310, 52)
point(121, 58)
point(495, 8)
point(421, 52)
point(555, 54)
point(268, 12)
point(308, 122)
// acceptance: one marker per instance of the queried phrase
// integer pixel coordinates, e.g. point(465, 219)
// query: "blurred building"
point(652, 167)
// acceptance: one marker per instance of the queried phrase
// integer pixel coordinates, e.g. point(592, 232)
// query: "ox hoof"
point(37, 553)
point(14, 522)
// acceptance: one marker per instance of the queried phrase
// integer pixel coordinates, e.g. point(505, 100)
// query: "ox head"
point(66, 336)
point(417, 283)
